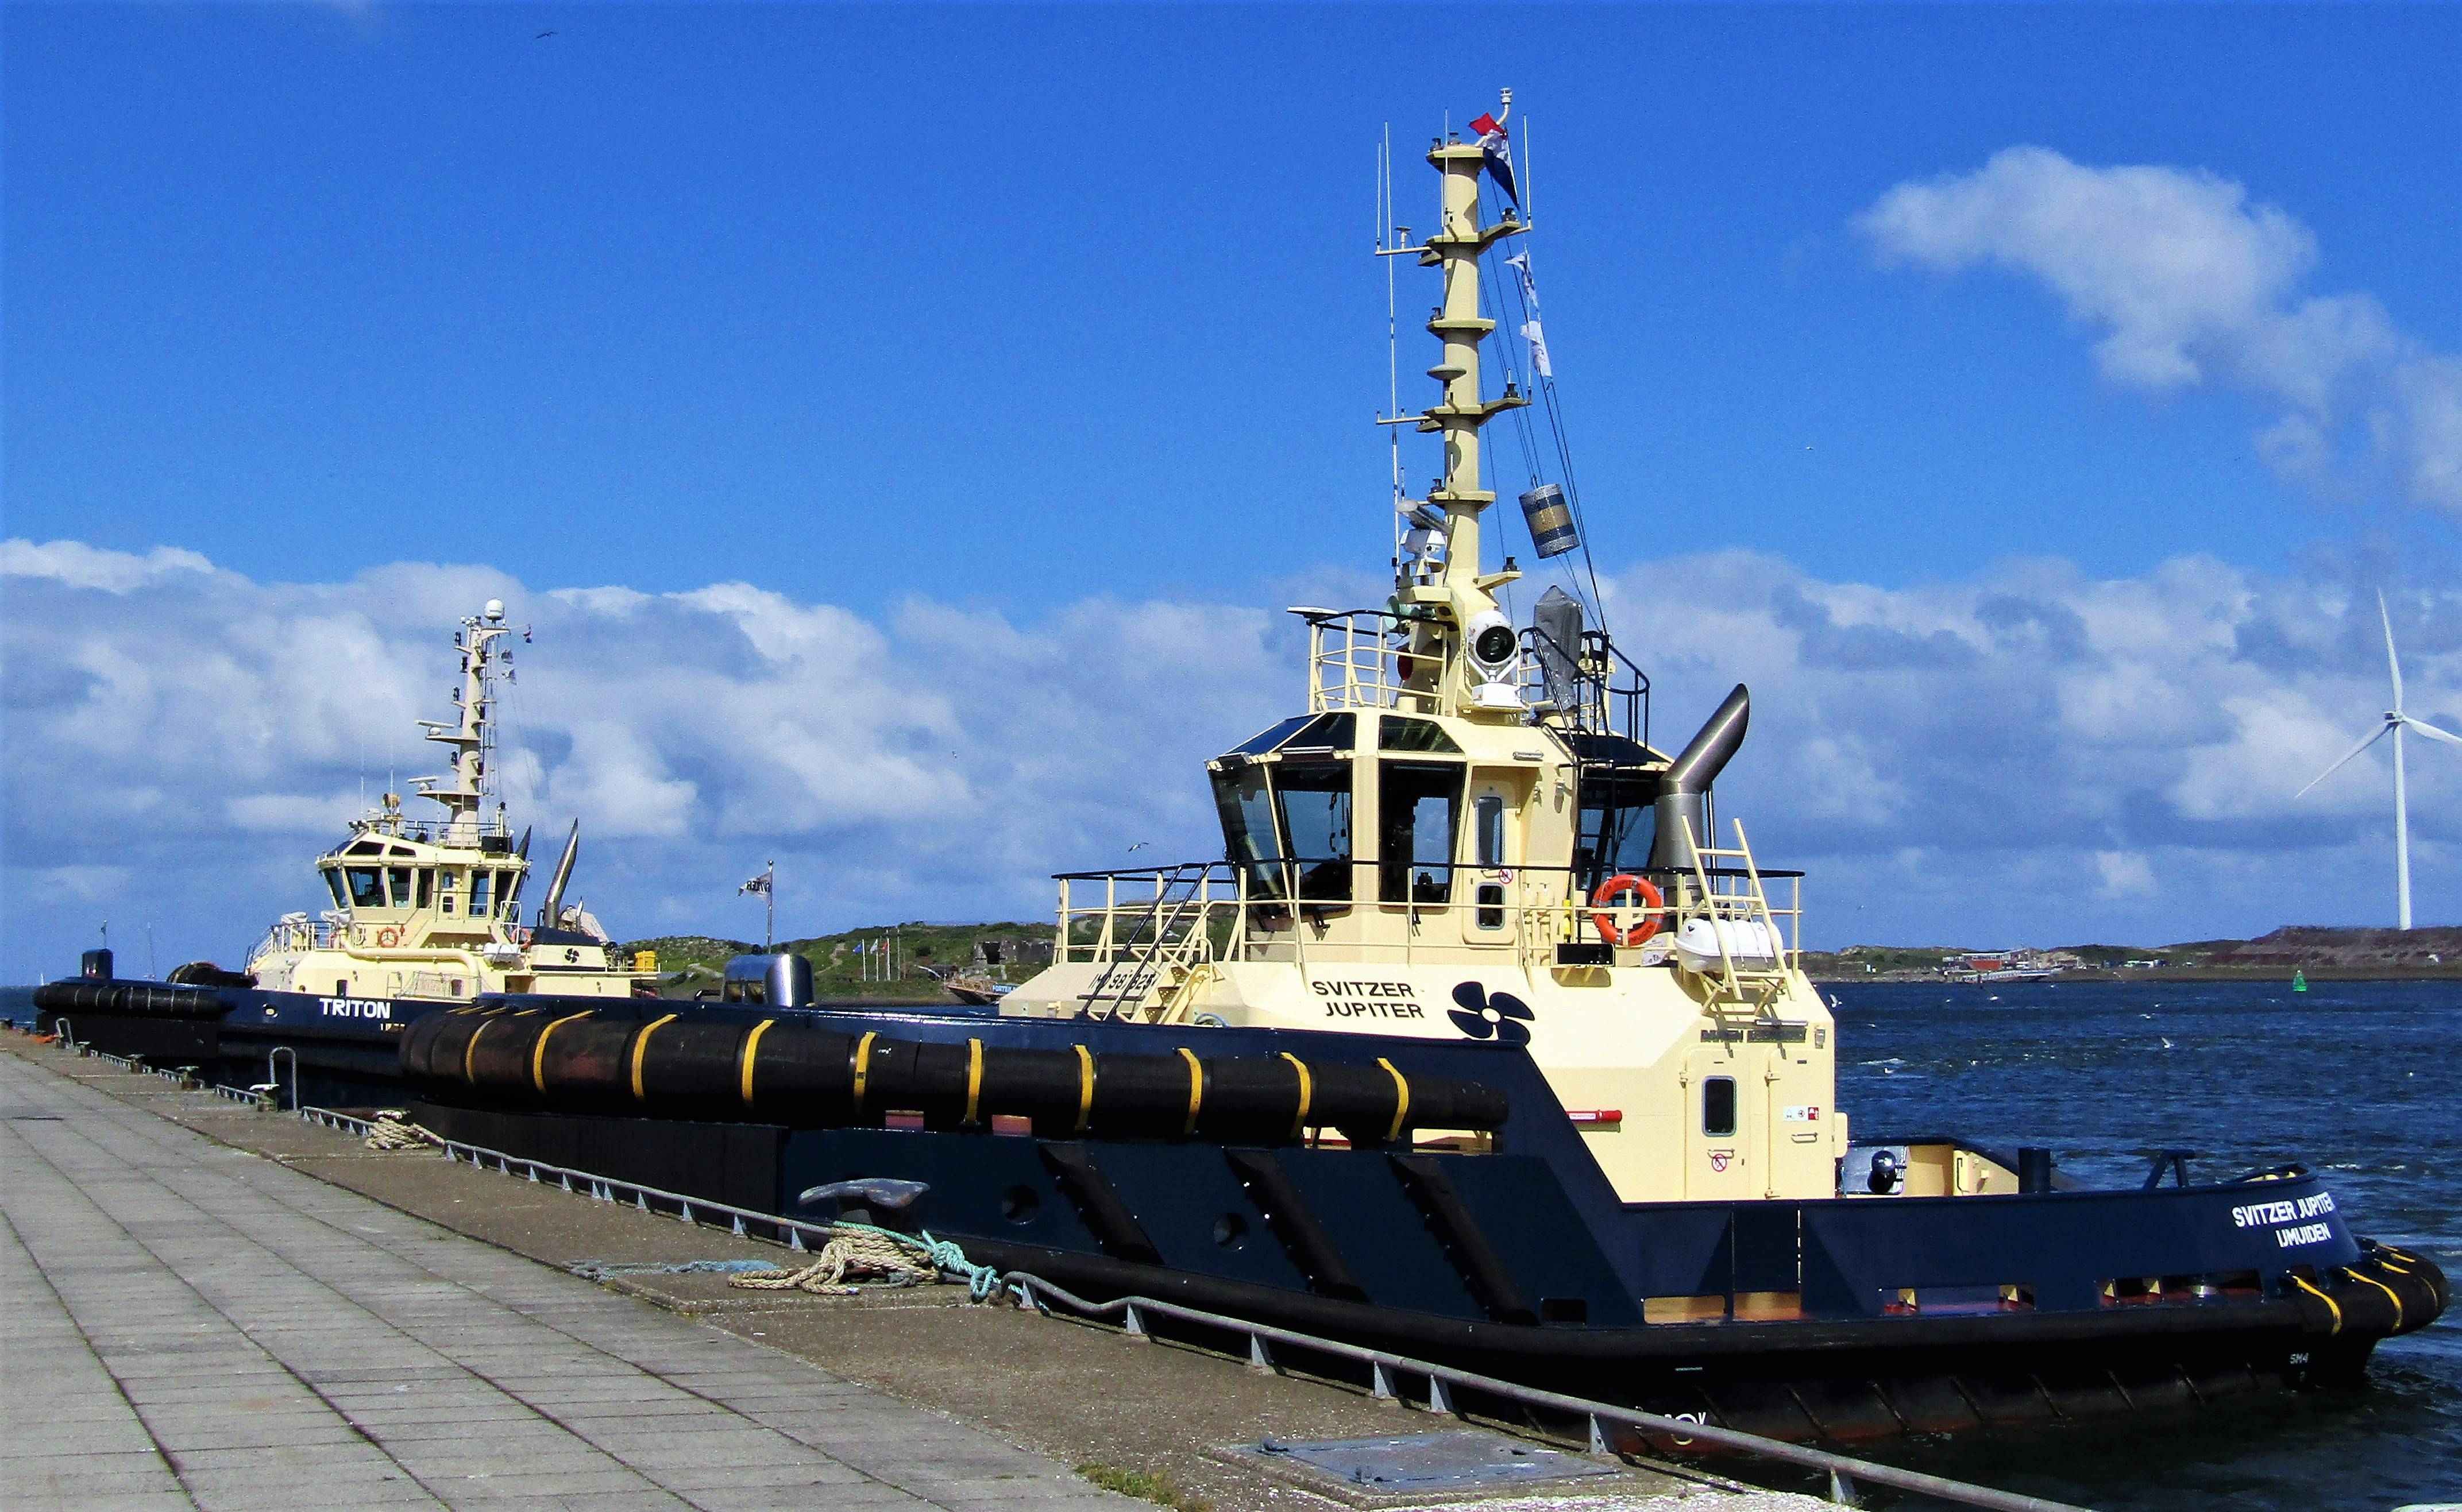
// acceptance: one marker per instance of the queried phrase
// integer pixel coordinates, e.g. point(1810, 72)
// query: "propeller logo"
point(1500, 1016)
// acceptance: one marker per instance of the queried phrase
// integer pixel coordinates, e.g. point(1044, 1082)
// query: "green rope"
point(982, 1282)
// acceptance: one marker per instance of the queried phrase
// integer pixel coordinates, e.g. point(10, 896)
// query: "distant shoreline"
point(2158, 973)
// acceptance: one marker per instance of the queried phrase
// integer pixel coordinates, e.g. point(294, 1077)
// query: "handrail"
point(1842, 1469)
point(1844, 1472)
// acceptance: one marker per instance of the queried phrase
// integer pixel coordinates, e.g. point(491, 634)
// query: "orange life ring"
point(387, 938)
point(520, 937)
point(1624, 883)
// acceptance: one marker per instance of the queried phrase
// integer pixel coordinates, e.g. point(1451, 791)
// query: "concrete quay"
point(206, 1306)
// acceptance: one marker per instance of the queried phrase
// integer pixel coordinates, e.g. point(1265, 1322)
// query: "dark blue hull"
point(1834, 1317)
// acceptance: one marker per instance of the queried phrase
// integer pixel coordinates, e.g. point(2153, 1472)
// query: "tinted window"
point(426, 885)
point(334, 880)
point(1267, 740)
point(1414, 735)
point(1326, 732)
point(367, 887)
point(1617, 823)
point(1315, 801)
point(1250, 836)
point(400, 878)
point(1420, 804)
point(1489, 812)
point(1718, 1107)
point(479, 881)
point(509, 887)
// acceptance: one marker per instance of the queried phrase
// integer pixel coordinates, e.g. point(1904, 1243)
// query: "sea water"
point(2359, 1080)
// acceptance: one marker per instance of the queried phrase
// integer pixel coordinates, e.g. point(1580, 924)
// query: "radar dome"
point(495, 610)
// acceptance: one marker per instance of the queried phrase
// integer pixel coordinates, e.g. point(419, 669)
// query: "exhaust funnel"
point(1684, 791)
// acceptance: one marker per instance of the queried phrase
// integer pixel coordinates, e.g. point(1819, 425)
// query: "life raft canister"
point(1616, 886)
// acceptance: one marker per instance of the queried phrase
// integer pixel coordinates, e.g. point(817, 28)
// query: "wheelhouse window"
point(1314, 798)
point(1400, 734)
point(426, 885)
point(1488, 826)
point(398, 877)
point(1419, 804)
point(479, 887)
point(508, 890)
point(1616, 826)
point(1250, 836)
point(367, 887)
point(1718, 1106)
point(334, 880)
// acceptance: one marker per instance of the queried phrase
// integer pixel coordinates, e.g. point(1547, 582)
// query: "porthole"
point(1019, 1203)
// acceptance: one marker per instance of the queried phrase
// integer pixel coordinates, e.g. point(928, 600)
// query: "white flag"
point(1538, 340)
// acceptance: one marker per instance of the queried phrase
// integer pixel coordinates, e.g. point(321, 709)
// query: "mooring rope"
point(905, 1260)
point(392, 1131)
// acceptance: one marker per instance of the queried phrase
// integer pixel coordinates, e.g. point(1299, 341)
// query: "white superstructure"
point(1457, 841)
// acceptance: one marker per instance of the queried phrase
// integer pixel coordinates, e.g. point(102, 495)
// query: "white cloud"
point(2020, 755)
point(73, 563)
point(2188, 283)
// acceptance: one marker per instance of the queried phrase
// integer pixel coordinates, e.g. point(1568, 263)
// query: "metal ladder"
point(1752, 986)
point(1167, 934)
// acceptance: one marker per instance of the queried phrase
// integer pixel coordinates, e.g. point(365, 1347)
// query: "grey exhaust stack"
point(1684, 791)
point(552, 906)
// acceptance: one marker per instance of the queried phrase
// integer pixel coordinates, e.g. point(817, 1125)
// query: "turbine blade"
point(2390, 660)
point(2421, 727)
point(2374, 736)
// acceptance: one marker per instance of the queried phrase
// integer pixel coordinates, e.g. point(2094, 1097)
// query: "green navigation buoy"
point(2299, 981)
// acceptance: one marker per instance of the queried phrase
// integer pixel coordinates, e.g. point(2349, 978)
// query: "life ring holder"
point(520, 937)
point(388, 937)
point(1620, 883)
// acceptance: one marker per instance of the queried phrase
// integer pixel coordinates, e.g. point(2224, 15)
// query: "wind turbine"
point(2395, 722)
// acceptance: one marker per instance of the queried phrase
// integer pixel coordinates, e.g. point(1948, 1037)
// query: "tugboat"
point(426, 912)
point(1484, 1042)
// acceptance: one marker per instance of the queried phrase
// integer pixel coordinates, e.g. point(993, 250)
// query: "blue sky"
point(1047, 313)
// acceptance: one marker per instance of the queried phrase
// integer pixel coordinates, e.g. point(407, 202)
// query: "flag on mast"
point(1520, 263)
point(1498, 148)
point(757, 884)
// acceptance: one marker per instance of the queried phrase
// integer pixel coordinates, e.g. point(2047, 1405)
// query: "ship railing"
point(1577, 684)
point(1445, 1391)
point(1355, 661)
point(1153, 930)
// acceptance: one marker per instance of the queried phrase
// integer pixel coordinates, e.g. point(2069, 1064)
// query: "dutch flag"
point(1499, 150)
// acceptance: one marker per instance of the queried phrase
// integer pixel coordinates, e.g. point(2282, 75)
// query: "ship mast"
point(470, 783)
point(1447, 614)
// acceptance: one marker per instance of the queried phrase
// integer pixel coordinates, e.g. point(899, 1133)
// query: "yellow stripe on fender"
point(641, 1047)
point(1085, 1088)
point(863, 1067)
point(1196, 1088)
point(1401, 1098)
point(470, 1046)
point(752, 1048)
point(1308, 1092)
point(2331, 1305)
point(2381, 1287)
point(974, 1077)
point(538, 1051)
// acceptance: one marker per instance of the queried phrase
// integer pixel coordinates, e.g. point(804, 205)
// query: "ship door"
point(1724, 1105)
point(1492, 854)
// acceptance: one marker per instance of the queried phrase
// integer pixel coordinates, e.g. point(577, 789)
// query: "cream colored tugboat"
point(426, 912)
point(1457, 841)
point(1485, 1042)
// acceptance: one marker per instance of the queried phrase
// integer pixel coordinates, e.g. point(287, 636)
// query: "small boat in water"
point(426, 912)
point(1484, 1042)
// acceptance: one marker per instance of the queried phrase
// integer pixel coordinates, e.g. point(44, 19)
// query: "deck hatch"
point(1465, 1460)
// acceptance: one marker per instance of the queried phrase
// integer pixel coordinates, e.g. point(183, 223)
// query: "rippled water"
point(2356, 1078)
